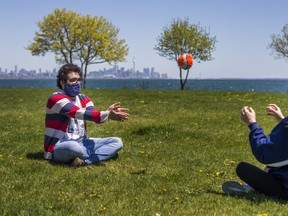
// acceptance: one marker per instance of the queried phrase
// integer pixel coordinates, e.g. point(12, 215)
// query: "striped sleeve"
point(61, 104)
point(91, 114)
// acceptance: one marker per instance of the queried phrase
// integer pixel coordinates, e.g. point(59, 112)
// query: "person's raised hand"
point(274, 110)
point(248, 115)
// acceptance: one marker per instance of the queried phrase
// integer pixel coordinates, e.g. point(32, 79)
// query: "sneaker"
point(235, 188)
point(248, 188)
point(77, 162)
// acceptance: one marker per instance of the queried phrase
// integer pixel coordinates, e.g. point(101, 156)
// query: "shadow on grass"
point(255, 198)
point(40, 156)
point(35, 155)
point(139, 172)
point(68, 165)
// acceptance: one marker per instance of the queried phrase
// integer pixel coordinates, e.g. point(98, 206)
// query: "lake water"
point(257, 85)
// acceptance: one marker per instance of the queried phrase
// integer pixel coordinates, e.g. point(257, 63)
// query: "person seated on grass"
point(271, 150)
point(66, 138)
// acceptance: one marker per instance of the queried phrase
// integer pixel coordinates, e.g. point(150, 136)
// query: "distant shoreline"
point(203, 79)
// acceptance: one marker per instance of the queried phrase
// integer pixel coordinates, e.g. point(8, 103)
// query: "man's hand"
point(274, 110)
point(248, 115)
point(114, 106)
point(117, 113)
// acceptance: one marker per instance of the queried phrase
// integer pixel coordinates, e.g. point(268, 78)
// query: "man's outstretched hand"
point(117, 113)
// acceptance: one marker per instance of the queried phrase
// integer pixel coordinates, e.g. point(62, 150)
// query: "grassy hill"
point(179, 147)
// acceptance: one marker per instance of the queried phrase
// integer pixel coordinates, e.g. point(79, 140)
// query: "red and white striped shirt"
point(59, 109)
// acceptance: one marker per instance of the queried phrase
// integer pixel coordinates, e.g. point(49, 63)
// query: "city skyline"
point(112, 72)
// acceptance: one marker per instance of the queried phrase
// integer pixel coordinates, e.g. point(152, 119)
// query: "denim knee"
point(67, 151)
point(118, 143)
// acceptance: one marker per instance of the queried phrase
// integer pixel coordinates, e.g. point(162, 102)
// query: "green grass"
point(179, 147)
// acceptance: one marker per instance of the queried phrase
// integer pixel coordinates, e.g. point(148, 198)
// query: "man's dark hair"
point(64, 70)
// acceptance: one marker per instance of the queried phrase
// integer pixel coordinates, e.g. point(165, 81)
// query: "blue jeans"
point(90, 150)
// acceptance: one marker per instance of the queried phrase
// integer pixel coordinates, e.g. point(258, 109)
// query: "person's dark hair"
point(64, 70)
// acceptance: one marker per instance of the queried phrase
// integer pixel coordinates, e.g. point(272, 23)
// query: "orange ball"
point(185, 61)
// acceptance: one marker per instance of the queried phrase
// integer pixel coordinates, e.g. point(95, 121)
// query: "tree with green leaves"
point(181, 37)
point(75, 38)
point(279, 44)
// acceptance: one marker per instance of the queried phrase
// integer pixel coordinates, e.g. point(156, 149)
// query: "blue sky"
point(243, 29)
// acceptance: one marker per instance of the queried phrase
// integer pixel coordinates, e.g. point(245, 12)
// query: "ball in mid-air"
point(185, 61)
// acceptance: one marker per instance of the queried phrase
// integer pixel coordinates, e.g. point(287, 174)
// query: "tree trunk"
point(182, 83)
point(85, 75)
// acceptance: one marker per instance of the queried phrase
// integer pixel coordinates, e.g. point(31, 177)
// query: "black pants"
point(261, 180)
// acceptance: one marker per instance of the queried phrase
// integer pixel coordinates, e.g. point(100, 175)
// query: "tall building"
point(15, 70)
point(134, 72)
